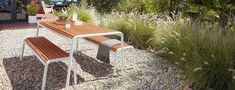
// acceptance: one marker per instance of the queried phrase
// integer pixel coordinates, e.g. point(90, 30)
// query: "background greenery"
point(137, 29)
point(185, 32)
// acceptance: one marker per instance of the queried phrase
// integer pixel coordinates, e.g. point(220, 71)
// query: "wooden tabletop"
point(83, 29)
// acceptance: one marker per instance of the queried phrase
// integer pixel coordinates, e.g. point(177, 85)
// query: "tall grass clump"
point(84, 13)
point(138, 29)
point(205, 56)
point(87, 15)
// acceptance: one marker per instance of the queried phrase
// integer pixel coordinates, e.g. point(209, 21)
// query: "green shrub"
point(105, 5)
point(205, 56)
point(62, 14)
point(83, 14)
point(86, 15)
point(32, 9)
point(46, 1)
point(145, 6)
point(137, 29)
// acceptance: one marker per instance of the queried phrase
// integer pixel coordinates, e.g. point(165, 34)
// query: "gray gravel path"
point(147, 72)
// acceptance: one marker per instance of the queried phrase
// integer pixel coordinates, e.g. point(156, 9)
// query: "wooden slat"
point(45, 49)
point(83, 29)
point(100, 39)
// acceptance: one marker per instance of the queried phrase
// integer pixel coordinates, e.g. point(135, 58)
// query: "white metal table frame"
point(74, 47)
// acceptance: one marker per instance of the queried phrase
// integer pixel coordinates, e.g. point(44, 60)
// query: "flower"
point(171, 53)
point(232, 70)
point(233, 77)
point(212, 56)
point(206, 63)
point(165, 48)
point(197, 69)
point(182, 59)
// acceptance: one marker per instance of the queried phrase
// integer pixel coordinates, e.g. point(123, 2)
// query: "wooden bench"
point(98, 40)
point(46, 52)
point(115, 48)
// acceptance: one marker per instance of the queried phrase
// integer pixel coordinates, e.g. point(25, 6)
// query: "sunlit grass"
point(203, 54)
point(138, 29)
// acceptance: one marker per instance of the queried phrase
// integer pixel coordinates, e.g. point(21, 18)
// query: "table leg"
point(70, 65)
point(38, 27)
point(122, 45)
point(77, 45)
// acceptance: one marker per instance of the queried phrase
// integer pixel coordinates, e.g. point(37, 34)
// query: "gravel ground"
point(146, 72)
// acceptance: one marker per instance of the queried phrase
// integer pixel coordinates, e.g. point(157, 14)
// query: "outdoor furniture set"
point(47, 52)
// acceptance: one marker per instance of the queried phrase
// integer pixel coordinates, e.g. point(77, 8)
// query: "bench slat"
point(45, 49)
point(98, 40)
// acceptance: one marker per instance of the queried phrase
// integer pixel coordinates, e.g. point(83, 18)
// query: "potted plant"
point(32, 10)
point(62, 14)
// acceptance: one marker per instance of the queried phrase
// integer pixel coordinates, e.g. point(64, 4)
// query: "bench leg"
point(22, 53)
point(115, 64)
point(75, 70)
point(44, 76)
point(38, 27)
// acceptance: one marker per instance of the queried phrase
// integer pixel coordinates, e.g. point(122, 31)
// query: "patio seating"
point(47, 11)
point(47, 53)
point(115, 48)
point(90, 33)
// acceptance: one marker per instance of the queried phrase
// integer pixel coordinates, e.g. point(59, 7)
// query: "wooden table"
point(75, 33)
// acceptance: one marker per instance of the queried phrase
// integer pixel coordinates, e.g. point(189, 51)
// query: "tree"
point(105, 5)
point(221, 10)
point(172, 7)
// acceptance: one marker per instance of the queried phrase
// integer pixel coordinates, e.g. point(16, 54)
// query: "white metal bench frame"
point(46, 64)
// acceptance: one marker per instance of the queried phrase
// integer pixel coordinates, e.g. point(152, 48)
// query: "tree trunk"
point(223, 19)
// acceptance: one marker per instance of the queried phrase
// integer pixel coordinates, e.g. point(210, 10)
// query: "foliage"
point(169, 6)
point(137, 29)
point(83, 14)
point(46, 1)
point(86, 15)
point(32, 9)
point(62, 14)
point(145, 6)
point(211, 10)
point(105, 5)
point(204, 55)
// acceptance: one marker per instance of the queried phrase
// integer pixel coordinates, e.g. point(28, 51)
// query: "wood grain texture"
point(45, 49)
point(83, 29)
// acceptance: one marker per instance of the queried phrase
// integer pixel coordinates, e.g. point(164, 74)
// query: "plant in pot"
point(32, 10)
point(62, 14)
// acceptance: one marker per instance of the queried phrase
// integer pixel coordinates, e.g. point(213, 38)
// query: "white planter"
point(32, 19)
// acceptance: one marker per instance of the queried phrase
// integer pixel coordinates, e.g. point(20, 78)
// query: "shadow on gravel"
point(92, 66)
point(27, 74)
